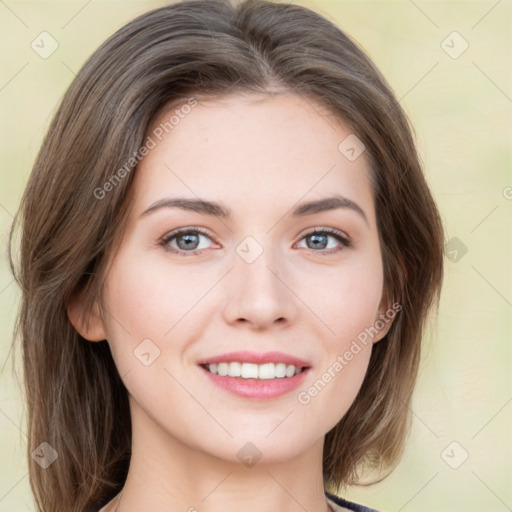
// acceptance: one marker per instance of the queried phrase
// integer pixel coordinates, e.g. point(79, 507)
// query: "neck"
point(166, 475)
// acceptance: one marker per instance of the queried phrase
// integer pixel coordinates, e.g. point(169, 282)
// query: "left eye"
point(319, 239)
point(187, 241)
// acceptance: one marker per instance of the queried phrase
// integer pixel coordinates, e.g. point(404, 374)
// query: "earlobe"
point(383, 331)
point(91, 329)
point(383, 320)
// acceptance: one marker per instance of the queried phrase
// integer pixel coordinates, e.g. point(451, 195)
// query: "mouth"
point(254, 375)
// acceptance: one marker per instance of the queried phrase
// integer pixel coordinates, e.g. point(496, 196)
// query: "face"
point(258, 273)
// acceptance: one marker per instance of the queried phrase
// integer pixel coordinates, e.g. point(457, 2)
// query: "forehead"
point(251, 151)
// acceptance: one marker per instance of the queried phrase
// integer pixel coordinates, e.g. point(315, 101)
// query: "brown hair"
point(75, 397)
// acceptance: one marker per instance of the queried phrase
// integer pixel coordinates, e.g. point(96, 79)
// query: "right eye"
point(187, 240)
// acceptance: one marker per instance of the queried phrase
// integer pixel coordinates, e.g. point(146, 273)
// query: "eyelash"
point(345, 242)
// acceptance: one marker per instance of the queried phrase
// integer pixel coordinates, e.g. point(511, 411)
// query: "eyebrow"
point(215, 209)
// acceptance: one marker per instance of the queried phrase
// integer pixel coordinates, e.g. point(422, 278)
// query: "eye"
point(187, 240)
point(319, 240)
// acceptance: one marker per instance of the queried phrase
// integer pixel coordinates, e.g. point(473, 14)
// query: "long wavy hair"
point(76, 400)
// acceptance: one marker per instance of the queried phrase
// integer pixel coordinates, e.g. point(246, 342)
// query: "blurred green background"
point(449, 63)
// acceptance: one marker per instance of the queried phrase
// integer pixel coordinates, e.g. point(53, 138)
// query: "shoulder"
point(348, 504)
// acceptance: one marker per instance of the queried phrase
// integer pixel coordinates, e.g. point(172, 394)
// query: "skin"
point(259, 156)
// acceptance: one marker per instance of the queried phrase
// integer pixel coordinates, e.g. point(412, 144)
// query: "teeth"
point(267, 371)
point(254, 371)
point(280, 370)
point(249, 371)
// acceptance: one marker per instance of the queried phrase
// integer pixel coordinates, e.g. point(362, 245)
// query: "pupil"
point(188, 242)
point(314, 239)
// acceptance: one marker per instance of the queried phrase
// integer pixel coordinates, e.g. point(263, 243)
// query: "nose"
point(259, 293)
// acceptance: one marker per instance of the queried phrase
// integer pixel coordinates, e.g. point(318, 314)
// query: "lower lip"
point(257, 388)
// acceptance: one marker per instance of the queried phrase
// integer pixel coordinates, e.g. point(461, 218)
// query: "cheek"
point(335, 385)
point(152, 308)
point(346, 299)
point(333, 388)
point(348, 310)
point(148, 299)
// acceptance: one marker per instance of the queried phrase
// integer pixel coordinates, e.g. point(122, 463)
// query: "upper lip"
point(257, 358)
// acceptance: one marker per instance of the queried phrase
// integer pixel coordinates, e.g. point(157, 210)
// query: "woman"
point(228, 255)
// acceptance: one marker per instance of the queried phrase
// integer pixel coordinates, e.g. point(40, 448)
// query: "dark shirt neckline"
point(349, 504)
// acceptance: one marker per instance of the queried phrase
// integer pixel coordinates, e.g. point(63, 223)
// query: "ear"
point(384, 319)
point(93, 329)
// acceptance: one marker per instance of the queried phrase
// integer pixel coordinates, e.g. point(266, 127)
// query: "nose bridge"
point(256, 291)
point(257, 263)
